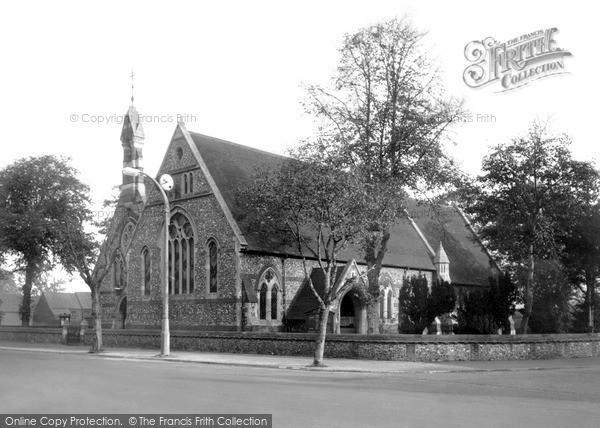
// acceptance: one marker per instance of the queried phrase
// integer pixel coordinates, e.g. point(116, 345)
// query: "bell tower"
point(132, 141)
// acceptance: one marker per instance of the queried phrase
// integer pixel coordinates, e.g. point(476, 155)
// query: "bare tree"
point(318, 211)
point(385, 117)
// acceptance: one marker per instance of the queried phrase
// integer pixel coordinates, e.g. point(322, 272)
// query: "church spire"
point(132, 76)
point(132, 141)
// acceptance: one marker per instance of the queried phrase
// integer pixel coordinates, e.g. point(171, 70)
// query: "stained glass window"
point(181, 255)
point(213, 263)
point(269, 292)
point(263, 301)
point(146, 267)
point(274, 293)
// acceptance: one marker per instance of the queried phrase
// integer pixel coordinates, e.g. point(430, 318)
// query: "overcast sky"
point(234, 70)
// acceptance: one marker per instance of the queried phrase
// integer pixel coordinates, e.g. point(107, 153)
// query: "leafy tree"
point(581, 256)
point(47, 282)
point(315, 209)
point(385, 117)
point(528, 188)
point(553, 310)
point(80, 252)
point(441, 300)
point(7, 282)
point(503, 296)
point(474, 316)
point(581, 314)
point(421, 305)
point(37, 194)
point(486, 310)
point(413, 301)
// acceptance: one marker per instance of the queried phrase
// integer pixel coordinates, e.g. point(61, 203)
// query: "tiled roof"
point(233, 165)
point(63, 302)
point(10, 302)
point(248, 294)
point(469, 262)
point(85, 299)
point(305, 300)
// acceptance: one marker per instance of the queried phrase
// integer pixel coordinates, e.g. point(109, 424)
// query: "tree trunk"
point(25, 309)
point(590, 283)
point(374, 270)
point(373, 316)
point(528, 293)
point(97, 315)
point(320, 348)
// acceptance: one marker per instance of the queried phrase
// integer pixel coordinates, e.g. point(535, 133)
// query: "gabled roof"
point(10, 302)
point(305, 300)
point(411, 244)
point(470, 263)
point(60, 303)
point(85, 299)
point(232, 165)
point(248, 294)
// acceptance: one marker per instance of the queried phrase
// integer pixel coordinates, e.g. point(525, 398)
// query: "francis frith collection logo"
point(514, 63)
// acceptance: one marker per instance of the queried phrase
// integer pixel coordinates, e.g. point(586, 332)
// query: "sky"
point(235, 70)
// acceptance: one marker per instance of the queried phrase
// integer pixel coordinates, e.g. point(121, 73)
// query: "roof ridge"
point(220, 140)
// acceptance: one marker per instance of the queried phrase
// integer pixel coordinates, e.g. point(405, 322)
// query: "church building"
point(226, 275)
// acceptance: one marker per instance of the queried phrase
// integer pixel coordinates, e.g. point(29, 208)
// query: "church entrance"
point(347, 316)
point(352, 314)
point(122, 314)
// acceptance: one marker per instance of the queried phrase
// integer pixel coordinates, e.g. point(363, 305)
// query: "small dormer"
point(442, 264)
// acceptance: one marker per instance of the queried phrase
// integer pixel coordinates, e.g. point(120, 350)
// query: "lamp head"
point(132, 172)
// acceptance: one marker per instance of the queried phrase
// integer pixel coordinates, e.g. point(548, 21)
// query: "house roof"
point(85, 299)
point(10, 302)
point(60, 303)
point(233, 165)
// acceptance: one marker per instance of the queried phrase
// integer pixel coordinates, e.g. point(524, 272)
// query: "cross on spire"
point(132, 76)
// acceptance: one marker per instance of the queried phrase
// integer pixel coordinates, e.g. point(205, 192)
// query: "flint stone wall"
point(368, 347)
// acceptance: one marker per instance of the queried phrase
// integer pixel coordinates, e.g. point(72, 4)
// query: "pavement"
point(304, 363)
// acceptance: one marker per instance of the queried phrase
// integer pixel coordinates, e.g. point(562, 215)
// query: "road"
point(568, 395)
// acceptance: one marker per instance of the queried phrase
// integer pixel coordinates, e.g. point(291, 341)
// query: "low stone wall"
point(31, 334)
point(369, 347)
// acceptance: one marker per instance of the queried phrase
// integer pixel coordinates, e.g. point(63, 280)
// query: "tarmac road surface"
point(561, 394)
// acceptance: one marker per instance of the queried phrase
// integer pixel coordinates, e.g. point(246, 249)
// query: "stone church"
point(225, 275)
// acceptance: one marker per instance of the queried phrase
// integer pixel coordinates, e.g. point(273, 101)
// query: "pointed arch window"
point(269, 295)
point(263, 301)
point(146, 274)
point(181, 255)
point(386, 297)
point(213, 266)
point(119, 272)
point(188, 183)
point(274, 302)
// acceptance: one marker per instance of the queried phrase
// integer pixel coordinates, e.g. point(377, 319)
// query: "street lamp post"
point(168, 183)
